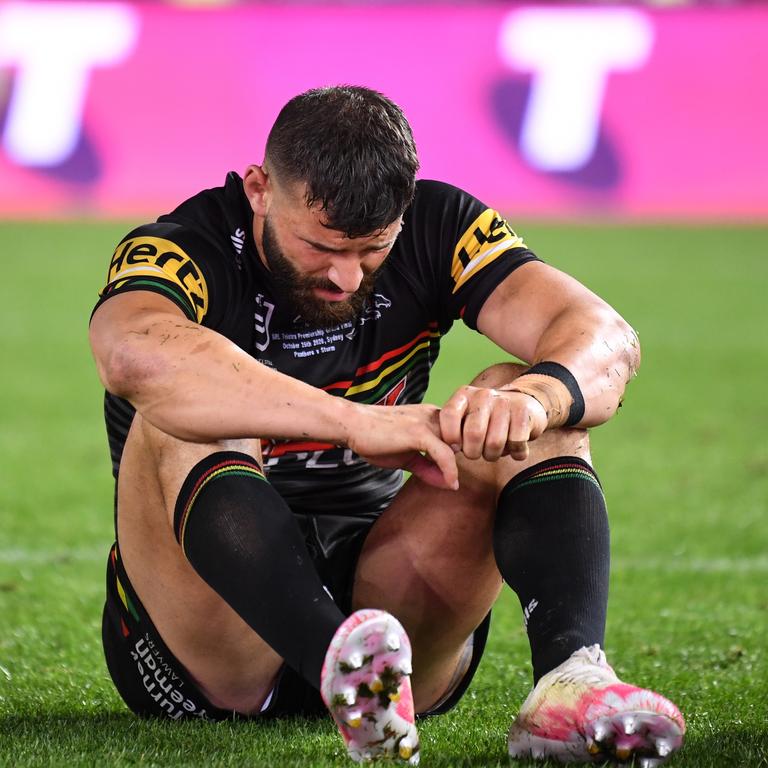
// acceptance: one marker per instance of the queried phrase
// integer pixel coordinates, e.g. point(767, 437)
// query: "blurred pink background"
point(113, 109)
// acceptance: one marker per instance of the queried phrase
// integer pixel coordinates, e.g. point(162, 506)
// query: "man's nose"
point(346, 273)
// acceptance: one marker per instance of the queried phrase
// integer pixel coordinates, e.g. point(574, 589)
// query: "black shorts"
point(153, 683)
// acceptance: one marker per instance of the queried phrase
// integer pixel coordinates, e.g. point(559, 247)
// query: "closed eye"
point(320, 248)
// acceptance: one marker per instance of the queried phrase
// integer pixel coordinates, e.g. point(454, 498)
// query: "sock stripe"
point(230, 468)
point(552, 547)
point(558, 472)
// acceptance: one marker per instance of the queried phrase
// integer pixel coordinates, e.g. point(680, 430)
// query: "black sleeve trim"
point(164, 288)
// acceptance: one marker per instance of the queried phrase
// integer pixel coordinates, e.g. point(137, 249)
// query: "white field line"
point(671, 564)
point(23, 556)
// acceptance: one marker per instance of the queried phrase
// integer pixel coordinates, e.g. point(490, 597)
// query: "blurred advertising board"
point(112, 109)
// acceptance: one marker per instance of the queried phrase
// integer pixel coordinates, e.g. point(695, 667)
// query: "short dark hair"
point(353, 148)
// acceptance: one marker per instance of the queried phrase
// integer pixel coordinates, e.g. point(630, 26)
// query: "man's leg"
point(551, 541)
point(220, 565)
point(223, 571)
point(435, 559)
point(430, 558)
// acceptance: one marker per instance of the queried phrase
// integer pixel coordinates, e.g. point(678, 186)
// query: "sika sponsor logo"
point(313, 455)
point(162, 683)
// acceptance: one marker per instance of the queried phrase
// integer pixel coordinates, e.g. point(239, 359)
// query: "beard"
point(298, 289)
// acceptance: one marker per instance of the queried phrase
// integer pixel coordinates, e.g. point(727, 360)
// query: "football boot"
point(365, 683)
point(582, 712)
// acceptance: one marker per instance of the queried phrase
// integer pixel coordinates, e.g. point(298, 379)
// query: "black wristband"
point(562, 374)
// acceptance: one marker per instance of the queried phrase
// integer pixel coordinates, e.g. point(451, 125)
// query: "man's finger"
point(441, 455)
point(451, 416)
point(474, 431)
point(428, 472)
point(497, 433)
point(517, 450)
point(519, 423)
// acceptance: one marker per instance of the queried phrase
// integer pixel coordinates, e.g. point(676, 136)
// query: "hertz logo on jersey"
point(486, 238)
point(162, 261)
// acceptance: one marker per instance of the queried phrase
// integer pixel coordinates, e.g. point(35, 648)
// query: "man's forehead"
point(335, 239)
point(313, 220)
point(385, 235)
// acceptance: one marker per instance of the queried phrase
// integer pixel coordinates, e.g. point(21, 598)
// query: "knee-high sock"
point(551, 541)
point(241, 537)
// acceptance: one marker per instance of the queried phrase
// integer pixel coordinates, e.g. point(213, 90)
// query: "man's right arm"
point(193, 383)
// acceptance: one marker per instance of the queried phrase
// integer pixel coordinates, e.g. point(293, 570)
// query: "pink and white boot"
point(582, 712)
point(365, 684)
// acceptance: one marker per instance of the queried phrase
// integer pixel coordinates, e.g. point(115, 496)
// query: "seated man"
point(265, 349)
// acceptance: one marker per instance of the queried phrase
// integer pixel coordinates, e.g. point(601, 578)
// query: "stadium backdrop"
point(121, 108)
point(594, 113)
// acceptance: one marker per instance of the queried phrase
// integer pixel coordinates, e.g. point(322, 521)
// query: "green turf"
point(685, 467)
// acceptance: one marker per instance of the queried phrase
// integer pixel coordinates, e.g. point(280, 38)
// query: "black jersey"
point(451, 253)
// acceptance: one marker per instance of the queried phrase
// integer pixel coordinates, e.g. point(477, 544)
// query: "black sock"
point(551, 542)
point(240, 536)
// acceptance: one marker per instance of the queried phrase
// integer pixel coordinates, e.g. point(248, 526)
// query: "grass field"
point(684, 465)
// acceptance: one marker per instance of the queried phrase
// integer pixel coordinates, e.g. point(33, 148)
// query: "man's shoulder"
point(439, 202)
point(167, 245)
point(212, 212)
point(211, 226)
point(201, 207)
point(434, 190)
point(196, 254)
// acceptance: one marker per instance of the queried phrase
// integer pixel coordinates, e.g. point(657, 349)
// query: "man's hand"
point(174, 372)
point(491, 423)
point(405, 437)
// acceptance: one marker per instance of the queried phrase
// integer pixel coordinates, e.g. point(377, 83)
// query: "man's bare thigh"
point(234, 667)
point(429, 558)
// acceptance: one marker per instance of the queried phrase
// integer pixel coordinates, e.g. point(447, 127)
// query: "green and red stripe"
point(402, 358)
point(564, 471)
point(156, 285)
point(228, 468)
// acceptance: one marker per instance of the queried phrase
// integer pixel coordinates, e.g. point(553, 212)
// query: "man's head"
point(339, 172)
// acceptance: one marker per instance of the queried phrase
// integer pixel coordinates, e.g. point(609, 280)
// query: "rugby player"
point(265, 349)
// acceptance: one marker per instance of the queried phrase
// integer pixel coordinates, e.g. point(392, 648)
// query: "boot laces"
point(587, 666)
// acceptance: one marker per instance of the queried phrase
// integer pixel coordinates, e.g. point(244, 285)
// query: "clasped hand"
point(423, 439)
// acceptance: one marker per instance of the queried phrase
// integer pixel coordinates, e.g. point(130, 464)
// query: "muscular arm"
point(195, 384)
point(540, 314)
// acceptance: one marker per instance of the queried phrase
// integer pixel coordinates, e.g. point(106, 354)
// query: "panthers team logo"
point(371, 311)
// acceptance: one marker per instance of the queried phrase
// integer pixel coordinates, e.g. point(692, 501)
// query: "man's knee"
point(498, 374)
point(564, 441)
point(228, 487)
point(173, 461)
point(168, 449)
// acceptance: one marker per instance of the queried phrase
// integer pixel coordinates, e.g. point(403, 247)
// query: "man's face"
point(324, 275)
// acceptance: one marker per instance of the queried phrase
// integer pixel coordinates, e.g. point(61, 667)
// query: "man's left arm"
point(587, 351)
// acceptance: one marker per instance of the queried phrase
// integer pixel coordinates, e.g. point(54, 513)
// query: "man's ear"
point(258, 189)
